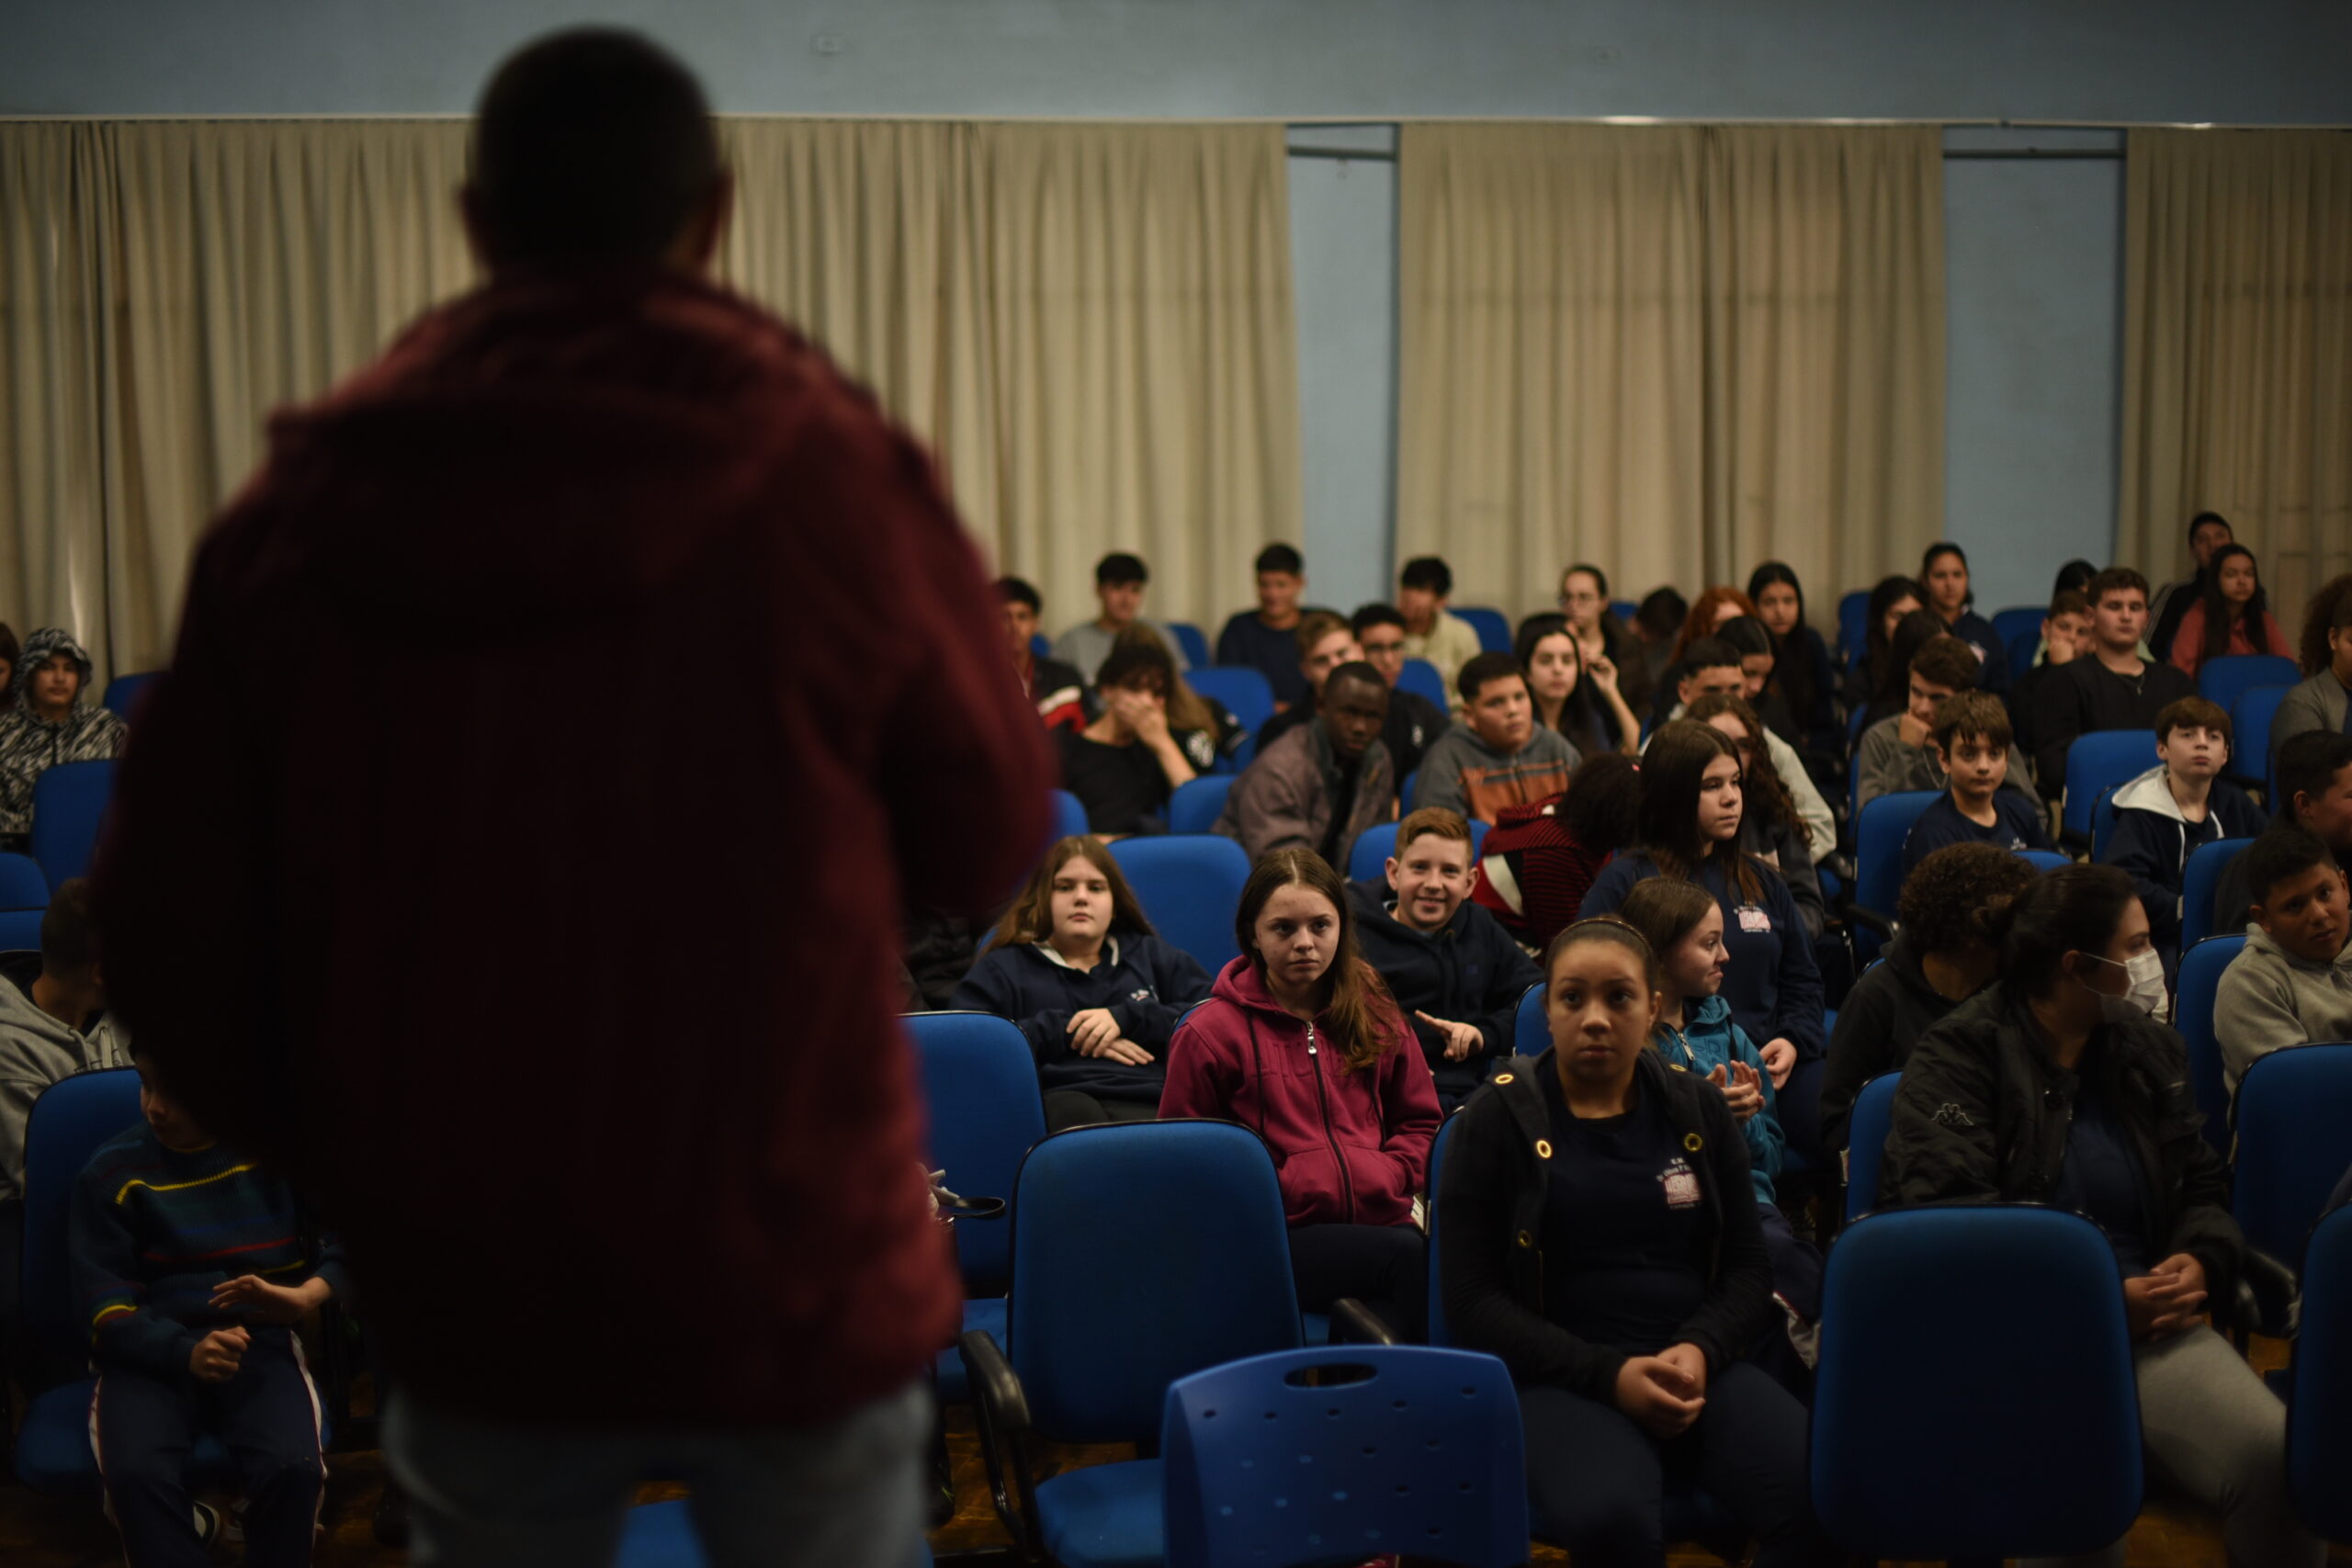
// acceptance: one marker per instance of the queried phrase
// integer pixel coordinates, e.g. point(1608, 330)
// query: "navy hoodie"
point(1469, 971)
point(1146, 984)
point(2153, 839)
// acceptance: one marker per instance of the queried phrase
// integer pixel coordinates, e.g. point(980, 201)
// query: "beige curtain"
point(1091, 323)
point(2237, 379)
point(1674, 351)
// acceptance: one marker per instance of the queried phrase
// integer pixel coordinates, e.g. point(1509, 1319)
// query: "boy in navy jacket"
point(2166, 813)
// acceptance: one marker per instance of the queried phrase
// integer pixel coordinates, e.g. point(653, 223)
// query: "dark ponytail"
point(2074, 908)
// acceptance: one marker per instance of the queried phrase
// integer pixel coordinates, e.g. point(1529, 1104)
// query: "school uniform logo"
point(1142, 996)
point(1679, 1184)
point(1753, 919)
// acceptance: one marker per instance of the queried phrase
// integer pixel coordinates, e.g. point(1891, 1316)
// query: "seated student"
point(2312, 784)
point(1125, 766)
point(50, 724)
point(1300, 1042)
point(1769, 828)
point(1939, 959)
point(1456, 972)
point(1205, 726)
point(2168, 606)
point(1943, 572)
point(1657, 623)
point(2176, 807)
point(1539, 860)
point(2065, 636)
point(1600, 636)
point(1321, 785)
point(1578, 700)
point(1891, 600)
point(1759, 659)
point(2291, 984)
point(1058, 690)
point(1496, 757)
point(1897, 753)
point(2324, 700)
point(1972, 746)
point(1265, 638)
point(1709, 612)
point(2053, 1086)
point(1120, 580)
point(193, 1265)
point(2114, 688)
point(2231, 616)
point(1912, 633)
point(1096, 993)
point(1713, 667)
point(1623, 1278)
point(1802, 673)
point(1321, 643)
point(1414, 722)
point(1445, 640)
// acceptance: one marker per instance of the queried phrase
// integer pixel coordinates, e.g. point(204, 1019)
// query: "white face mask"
point(2144, 997)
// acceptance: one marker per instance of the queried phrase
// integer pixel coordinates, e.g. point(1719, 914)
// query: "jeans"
point(847, 1493)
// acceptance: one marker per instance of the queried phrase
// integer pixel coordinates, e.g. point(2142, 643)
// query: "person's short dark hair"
point(1972, 716)
point(1019, 590)
point(2115, 579)
point(1661, 614)
point(1942, 902)
point(1747, 634)
point(1430, 572)
point(591, 144)
point(1118, 569)
point(69, 931)
point(1710, 653)
point(1370, 616)
point(1137, 664)
point(2279, 851)
point(1599, 578)
point(2073, 908)
point(1485, 667)
point(2192, 712)
point(1282, 559)
point(2068, 602)
point(1945, 660)
point(2204, 518)
point(2075, 574)
point(1353, 670)
point(2308, 762)
point(1601, 808)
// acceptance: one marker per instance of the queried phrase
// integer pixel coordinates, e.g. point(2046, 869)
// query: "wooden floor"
point(38, 1533)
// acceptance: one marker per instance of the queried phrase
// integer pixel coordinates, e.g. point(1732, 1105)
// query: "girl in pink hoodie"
point(1300, 1042)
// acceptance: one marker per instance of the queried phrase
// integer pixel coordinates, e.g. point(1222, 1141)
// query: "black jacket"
point(1147, 989)
point(1470, 971)
point(1880, 1023)
point(1984, 1111)
point(1490, 1216)
point(2085, 695)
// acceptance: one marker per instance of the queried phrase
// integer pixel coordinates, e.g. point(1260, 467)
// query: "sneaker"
point(207, 1523)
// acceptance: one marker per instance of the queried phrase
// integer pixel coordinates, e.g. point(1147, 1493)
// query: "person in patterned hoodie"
point(50, 724)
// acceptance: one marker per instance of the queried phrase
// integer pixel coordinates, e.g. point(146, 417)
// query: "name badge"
point(1754, 920)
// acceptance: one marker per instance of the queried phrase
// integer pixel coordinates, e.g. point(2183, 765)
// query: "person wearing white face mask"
point(2055, 1084)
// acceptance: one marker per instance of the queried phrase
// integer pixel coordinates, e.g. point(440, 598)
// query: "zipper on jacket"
point(1347, 1182)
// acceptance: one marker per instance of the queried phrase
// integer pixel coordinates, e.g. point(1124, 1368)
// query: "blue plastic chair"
point(124, 692)
point(1041, 644)
point(69, 808)
point(2043, 860)
point(2319, 1416)
point(1853, 624)
point(1531, 1031)
point(2022, 650)
point(2025, 1440)
point(2295, 1125)
point(2251, 717)
point(1197, 805)
point(1420, 678)
point(1879, 833)
point(1245, 692)
point(1420, 1450)
point(1141, 1253)
point(662, 1535)
point(1624, 610)
point(2097, 763)
point(1069, 815)
point(1368, 860)
point(1866, 1131)
point(2104, 820)
point(1405, 790)
point(2018, 622)
point(22, 885)
point(1492, 625)
point(1189, 886)
point(20, 931)
point(2227, 678)
point(980, 1081)
point(1194, 643)
point(2200, 880)
point(2196, 986)
point(1439, 1332)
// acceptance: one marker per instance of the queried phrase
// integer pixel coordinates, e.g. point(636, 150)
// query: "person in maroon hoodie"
point(569, 989)
point(1302, 1043)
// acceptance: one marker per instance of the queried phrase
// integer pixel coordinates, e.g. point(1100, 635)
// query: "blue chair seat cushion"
point(985, 1313)
point(53, 1453)
point(1105, 1516)
point(660, 1534)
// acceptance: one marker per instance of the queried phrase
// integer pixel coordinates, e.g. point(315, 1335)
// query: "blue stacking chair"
point(980, 1081)
point(1492, 625)
point(22, 885)
point(2196, 985)
point(1405, 790)
point(2097, 763)
point(2200, 880)
point(1624, 610)
point(1853, 624)
point(124, 693)
point(2227, 678)
point(1420, 678)
point(1141, 1253)
point(2295, 1125)
point(2104, 820)
point(2025, 1440)
point(1530, 1034)
point(2043, 860)
point(662, 1535)
point(1196, 805)
point(1245, 692)
point(1194, 643)
point(1189, 886)
point(1368, 860)
point(1879, 833)
point(69, 808)
point(1040, 645)
point(1069, 815)
point(2022, 650)
point(1866, 1132)
point(2251, 717)
point(1439, 1333)
point(1406, 1447)
point(2319, 1416)
point(2019, 621)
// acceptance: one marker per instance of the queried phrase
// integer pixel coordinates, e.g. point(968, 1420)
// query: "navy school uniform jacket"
point(2016, 825)
point(2153, 841)
point(1470, 971)
point(1147, 984)
point(1977, 633)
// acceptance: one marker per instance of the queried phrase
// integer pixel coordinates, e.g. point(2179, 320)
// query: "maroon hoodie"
point(1350, 1147)
point(515, 853)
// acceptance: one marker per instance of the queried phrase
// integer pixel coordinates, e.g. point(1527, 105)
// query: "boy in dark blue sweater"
point(1971, 742)
point(194, 1266)
point(2175, 808)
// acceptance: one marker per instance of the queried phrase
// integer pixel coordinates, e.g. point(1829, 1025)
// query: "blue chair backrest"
point(2018, 621)
point(1492, 625)
point(124, 692)
point(2319, 1418)
point(1142, 1252)
point(2251, 717)
point(1196, 805)
point(2294, 1144)
point(1879, 833)
point(1422, 1449)
point(1853, 623)
point(1245, 692)
point(1069, 815)
point(2104, 818)
point(1624, 610)
point(1866, 1143)
point(1368, 860)
point(980, 1081)
point(1041, 644)
point(69, 807)
point(2226, 679)
point(2021, 651)
point(1194, 643)
point(2198, 983)
point(1439, 1332)
point(1189, 886)
point(2200, 880)
point(68, 1122)
point(1420, 678)
point(2098, 762)
point(2025, 1442)
point(1531, 1031)
point(22, 885)
point(1405, 790)
point(20, 931)
point(2043, 860)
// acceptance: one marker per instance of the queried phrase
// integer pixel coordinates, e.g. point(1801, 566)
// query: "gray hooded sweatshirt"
point(30, 746)
point(36, 1050)
point(2269, 1000)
